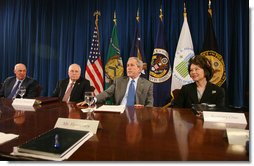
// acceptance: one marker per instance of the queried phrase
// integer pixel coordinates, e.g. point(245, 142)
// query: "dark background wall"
point(49, 35)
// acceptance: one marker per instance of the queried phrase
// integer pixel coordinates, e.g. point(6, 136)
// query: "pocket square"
point(214, 91)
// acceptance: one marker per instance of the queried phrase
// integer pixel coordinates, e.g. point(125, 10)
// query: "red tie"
point(68, 93)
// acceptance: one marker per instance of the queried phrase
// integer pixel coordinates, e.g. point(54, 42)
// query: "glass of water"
point(22, 91)
point(89, 99)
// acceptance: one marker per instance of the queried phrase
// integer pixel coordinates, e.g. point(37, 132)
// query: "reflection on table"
point(145, 134)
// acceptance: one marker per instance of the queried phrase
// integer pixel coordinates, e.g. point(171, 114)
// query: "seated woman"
point(201, 90)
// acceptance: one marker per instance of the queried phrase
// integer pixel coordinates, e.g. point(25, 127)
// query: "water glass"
point(22, 91)
point(89, 99)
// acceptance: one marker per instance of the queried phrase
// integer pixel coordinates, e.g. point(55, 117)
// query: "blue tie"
point(14, 91)
point(131, 94)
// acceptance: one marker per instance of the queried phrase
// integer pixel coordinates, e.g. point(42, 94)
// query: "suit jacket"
point(144, 91)
point(77, 95)
point(29, 83)
point(187, 96)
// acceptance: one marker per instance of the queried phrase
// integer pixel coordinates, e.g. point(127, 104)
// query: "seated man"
point(141, 89)
point(12, 84)
point(73, 88)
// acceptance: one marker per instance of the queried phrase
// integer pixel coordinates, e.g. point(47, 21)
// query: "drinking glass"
point(22, 91)
point(89, 99)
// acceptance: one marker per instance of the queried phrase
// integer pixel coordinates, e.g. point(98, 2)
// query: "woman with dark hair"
point(201, 90)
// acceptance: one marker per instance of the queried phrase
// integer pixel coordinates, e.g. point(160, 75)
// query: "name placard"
point(78, 124)
point(24, 108)
point(23, 104)
point(222, 120)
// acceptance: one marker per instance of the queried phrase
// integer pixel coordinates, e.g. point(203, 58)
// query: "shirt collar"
point(20, 80)
point(70, 81)
point(136, 79)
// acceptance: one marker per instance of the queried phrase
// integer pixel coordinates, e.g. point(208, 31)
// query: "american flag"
point(94, 70)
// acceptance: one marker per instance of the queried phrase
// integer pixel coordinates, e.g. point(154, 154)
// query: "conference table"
point(145, 134)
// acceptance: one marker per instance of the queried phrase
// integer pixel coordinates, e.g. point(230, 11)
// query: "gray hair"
point(139, 62)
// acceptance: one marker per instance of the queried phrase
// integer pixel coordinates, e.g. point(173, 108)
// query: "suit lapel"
point(206, 93)
point(123, 87)
point(25, 82)
point(139, 89)
point(193, 93)
point(76, 87)
point(11, 85)
point(65, 85)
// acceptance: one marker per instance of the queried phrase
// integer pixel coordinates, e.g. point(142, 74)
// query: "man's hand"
point(138, 106)
point(81, 103)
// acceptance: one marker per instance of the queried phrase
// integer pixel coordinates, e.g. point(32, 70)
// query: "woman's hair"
point(203, 63)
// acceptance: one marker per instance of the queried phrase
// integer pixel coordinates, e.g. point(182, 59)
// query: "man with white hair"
point(72, 89)
point(12, 84)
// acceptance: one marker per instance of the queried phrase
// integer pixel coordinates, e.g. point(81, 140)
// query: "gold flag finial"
point(96, 14)
point(137, 17)
point(209, 7)
point(161, 14)
point(184, 10)
point(114, 20)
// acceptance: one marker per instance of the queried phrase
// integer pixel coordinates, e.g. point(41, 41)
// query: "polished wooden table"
point(150, 134)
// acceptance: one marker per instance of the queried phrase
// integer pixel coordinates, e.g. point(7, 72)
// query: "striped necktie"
point(14, 91)
point(68, 93)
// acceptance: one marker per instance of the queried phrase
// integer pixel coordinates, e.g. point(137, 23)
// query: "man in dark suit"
point(143, 95)
point(73, 88)
point(12, 84)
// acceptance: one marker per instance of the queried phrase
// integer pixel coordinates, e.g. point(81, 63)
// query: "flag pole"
point(184, 11)
point(137, 17)
point(97, 14)
point(114, 19)
point(171, 93)
point(161, 14)
point(209, 8)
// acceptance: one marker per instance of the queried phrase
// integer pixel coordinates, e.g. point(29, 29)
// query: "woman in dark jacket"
point(201, 90)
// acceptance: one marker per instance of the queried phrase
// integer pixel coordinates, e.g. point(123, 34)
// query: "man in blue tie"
point(12, 84)
point(131, 89)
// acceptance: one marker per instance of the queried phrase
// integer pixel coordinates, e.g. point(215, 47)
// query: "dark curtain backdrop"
point(49, 35)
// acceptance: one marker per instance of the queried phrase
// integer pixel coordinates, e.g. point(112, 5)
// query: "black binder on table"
point(45, 144)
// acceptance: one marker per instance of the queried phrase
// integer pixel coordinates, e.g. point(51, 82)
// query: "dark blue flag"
point(160, 71)
point(137, 49)
point(210, 50)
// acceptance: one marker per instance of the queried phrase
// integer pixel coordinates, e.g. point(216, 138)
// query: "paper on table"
point(237, 136)
point(222, 120)
point(6, 137)
point(111, 108)
point(86, 110)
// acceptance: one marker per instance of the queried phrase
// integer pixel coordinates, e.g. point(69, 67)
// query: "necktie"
point(14, 91)
point(68, 93)
point(131, 94)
